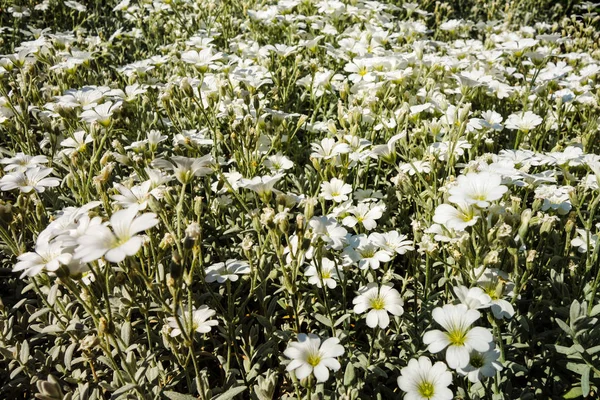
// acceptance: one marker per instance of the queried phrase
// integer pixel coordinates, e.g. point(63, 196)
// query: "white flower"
point(22, 162)
point(328, 230)
point(32, 179)
point(457, 218)
point(101, 114)
point(423, 381)
point(263, 185)
point(335, 190)
point(328, 148)
point(101, 241)
point(229, 270)
point(77, 143)
point(459, 337)
point(365, 252)
point(380, 301)
point(495, 283)
point(523, 122)
point(137, 195)
point(329, 274)
point(201, 321)
point(555, 198)
point(366, 214)
point(186, 168)
point(392, 241)
point(309, 355)
point(278, 163)
point(47, 256)
point(582, 243)
point(477, 188)
point(474, 298)
point(482, 364)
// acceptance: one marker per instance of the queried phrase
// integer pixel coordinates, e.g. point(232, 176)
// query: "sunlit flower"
point(32, 179)
point(423, 381)
point(309, 355)
point(479, 189)
point(201, 321)
point(117, 245)
point(328, 274)
point(459, 337)
point(228, 270)
point(379, 301)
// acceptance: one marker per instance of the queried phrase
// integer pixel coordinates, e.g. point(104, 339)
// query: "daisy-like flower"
point(137, 195)
point(329, 148)
point(482, 364)
point(77, 143)
point(380, 301)
point(366, 214)
point(458, 335)
point(201, 321)
point(22, 162)
point(263, 185)
point(582, 243)
point(368, 255)
point(329, 274)
point(495, 283)
point(309, 355)
point(185, 168)
point(228, 270)
point(392, 241)
point(101, 241)
point(457, 218)
point(336, 190)
point(32, 179)
point(423, 381)
point(328, 230)
point(101, 114)
point(47, 256)
point(523, 122)
point(478, 189)
point(278, 163)
point(474, 298)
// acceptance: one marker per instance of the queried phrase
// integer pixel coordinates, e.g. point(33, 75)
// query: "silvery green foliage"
point(299, 199)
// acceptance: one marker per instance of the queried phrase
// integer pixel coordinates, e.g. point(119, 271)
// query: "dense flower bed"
point(299, 199)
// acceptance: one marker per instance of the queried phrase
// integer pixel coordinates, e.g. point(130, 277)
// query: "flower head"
point(380, 301)
point(458, 335)
point(309, 355)
point(423, 381)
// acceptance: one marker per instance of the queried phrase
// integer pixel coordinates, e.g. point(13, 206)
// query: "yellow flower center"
point(457, 337)
point(314, 359)
point(377, 303)
point(326, 275)
point(426, 389)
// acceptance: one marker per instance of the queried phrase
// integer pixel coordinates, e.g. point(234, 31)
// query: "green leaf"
point(24, 353)
point(577, 368)
point(124, 389)
point(38, 313)
point(574, 393)
point(585, 381)
point(341, 319)
point(574, 311)
point(69, 355)
point(231, 393)
point(323, 319)
point(179, 396)
point(349, 374)
point(565, 327)
point(126, 333)
point(52, 294)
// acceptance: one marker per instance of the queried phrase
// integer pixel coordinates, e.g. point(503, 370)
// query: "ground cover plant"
point(299, 199)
